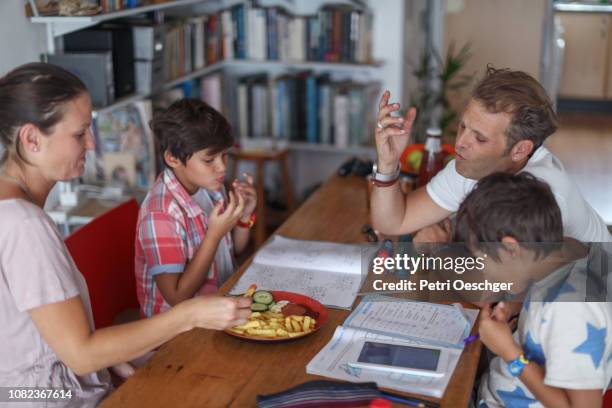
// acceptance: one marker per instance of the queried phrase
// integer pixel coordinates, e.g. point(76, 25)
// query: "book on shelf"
point(247, 31)
point(211, 91)
point(227, 35)
point(397, 321)
point(304, 106)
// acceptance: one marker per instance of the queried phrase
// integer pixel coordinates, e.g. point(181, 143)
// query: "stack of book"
point(334, 34)
point(306, 107)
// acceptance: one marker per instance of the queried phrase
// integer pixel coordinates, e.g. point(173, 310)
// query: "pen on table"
point(476, 336)
point(412, 402)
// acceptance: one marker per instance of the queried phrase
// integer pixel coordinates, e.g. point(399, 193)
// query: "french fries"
point(275, 325)
point(249, 292)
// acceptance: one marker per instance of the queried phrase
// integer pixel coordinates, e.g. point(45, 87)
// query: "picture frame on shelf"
point(123, 133)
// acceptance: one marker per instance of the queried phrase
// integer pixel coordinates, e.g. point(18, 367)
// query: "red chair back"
point(103, 250)
point(608, 399)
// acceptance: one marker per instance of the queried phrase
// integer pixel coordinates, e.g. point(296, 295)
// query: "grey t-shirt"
point(35, 270)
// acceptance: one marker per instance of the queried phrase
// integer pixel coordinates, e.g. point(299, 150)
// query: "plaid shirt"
point(171, 226)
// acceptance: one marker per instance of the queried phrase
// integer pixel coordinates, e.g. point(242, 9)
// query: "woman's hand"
point(392, 133)
point(248, 193)
point(495, 333)
point(219, 312)
point(221, 221)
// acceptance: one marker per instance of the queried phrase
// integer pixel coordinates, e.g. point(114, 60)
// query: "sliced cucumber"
point(258, 307)
point(263, 296)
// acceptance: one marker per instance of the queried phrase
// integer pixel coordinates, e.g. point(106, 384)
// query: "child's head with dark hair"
point(190, 125)
point(512, 223)
point(504, 205)
point(192, 139)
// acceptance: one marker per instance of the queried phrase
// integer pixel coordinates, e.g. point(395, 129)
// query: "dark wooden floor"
point(584, 145)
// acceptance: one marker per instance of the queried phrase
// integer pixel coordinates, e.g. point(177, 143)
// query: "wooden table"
point(205, 368)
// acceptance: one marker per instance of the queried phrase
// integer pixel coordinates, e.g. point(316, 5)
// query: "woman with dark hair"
point(47, 328)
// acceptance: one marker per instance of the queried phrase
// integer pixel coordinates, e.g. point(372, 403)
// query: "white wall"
point(388, 42)
point(20, 40)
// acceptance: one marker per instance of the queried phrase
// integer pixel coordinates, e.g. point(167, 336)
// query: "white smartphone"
point(403, 359)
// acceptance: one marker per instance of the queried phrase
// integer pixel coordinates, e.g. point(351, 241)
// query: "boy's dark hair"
point(34, 93)
point(190, 125)
point(516, 205)
point(524, 99)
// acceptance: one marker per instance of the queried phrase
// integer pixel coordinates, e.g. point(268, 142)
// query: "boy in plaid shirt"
point(188, 226)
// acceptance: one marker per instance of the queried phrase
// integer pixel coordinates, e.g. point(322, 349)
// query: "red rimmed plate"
point(313, 308)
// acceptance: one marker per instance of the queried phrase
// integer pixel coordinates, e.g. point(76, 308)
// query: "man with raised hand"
point(507, 120)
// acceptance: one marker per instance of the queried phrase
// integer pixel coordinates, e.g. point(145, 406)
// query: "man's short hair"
point(524, 99)
point(515, 205)
point(190, 125)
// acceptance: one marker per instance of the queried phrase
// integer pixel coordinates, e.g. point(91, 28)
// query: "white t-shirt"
point(448, 189)
point(570, 339)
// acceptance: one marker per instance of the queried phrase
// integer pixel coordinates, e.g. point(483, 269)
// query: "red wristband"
point(248, 224)
point(384, 183)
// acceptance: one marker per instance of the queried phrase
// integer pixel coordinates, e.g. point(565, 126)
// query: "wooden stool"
point(261, 157)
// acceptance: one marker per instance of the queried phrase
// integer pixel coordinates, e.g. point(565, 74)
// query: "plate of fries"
point(269, 326)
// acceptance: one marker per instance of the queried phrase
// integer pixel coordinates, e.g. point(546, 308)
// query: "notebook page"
point(432, 323)
point(332, 289)
point(315, 255)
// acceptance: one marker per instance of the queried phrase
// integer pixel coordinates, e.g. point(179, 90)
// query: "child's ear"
point(171, 161)
point(511, 246)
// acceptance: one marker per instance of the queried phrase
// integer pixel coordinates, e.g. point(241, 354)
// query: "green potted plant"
point(426, 100)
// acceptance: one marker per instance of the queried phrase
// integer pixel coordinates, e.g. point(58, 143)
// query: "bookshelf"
point(249, 64)
point(385, 64)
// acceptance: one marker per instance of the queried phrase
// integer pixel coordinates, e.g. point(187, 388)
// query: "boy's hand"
point(496, 334)
point(221, 221)
point(507, 312)
point(248, 193)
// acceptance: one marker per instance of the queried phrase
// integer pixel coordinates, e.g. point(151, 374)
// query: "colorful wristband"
point(516, 366)
point(247, 224)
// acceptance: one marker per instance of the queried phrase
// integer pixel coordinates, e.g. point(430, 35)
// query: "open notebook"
point(379, 318)
point(328, 272)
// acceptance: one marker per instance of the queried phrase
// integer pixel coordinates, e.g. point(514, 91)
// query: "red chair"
point(608, 399)
point(103, 250)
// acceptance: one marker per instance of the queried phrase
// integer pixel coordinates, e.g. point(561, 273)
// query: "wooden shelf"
point(315, 65)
